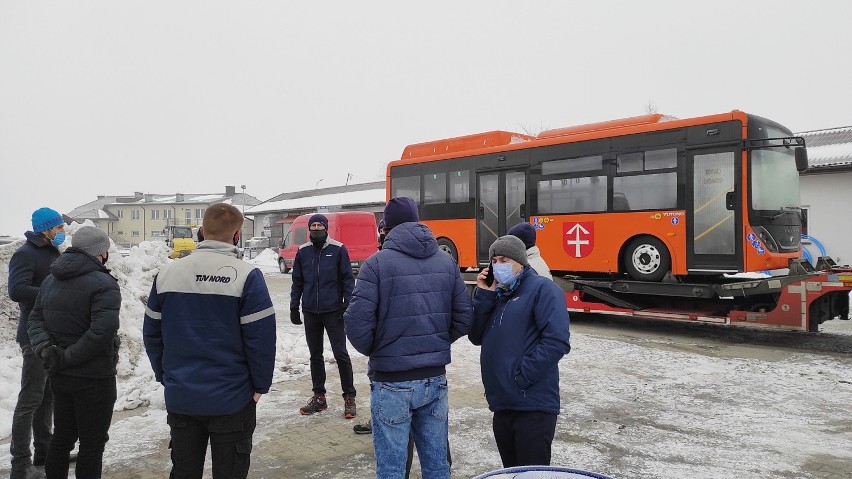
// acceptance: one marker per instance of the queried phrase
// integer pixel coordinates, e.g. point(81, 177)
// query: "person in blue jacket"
point(323, 282)
point(209, 332)
point(28, 267)
point(521, 322)
point(408, 306)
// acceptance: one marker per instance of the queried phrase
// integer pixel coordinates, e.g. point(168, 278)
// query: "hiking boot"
point(316, 404)
point(349, 407)
point(366, 428)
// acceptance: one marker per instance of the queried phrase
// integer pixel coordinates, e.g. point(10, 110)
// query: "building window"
point(156, 234)
point(119, 232)
point(155, 214)
point(167, 214)
point(134, 214)
point(119, 213)
point(188, 215)
point(199, 213)
point(135, 233)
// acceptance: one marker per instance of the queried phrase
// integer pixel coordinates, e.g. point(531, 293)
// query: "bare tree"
point(651, 107)
point(533, 130)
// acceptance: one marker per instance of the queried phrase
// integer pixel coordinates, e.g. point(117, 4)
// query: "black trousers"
point(82, 409)
point(524, 438)
point(332, 323)
point(230, 443)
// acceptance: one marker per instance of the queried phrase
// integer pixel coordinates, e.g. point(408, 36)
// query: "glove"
point(52, 359)
point(294, 316)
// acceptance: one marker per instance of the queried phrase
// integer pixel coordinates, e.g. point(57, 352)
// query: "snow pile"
point(135, 273)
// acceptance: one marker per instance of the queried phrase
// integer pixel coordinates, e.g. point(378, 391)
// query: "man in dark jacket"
point(323, 282)
point(209, 332)
point(521, 321)
point(409, 305)
point(73, 328)
point(28, 267)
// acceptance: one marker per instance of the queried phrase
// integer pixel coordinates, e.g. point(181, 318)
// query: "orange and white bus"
point(646, 196)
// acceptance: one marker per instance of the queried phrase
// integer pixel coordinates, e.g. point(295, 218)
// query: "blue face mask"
point(58, 239)
point(503, 273)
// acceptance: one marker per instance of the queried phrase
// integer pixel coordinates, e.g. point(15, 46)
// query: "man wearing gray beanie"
point(91, 240)
point(73, 327)
point(521, 322)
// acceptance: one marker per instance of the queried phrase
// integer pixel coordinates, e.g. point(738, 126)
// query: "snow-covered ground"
point(645, 407)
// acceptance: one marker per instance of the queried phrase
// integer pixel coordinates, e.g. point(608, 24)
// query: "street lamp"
point(242, 228)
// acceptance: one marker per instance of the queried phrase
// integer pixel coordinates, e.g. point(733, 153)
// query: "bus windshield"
point(774, 179)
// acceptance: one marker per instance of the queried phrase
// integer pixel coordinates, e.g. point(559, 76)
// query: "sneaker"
point(366, 428)
point(316, 404)
point(349, 407)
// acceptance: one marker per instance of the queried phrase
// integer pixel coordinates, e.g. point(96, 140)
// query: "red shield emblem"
point(578, 238)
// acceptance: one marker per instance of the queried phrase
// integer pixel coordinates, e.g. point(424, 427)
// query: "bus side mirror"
point(801, 159)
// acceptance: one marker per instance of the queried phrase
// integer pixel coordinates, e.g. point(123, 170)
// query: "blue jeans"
point(418, 408)
point(33, 414)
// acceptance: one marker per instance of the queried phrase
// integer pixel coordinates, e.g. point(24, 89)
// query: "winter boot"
point(316, 404)
point(348, 407)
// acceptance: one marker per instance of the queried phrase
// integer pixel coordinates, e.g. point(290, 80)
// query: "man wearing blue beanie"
point(33, 416)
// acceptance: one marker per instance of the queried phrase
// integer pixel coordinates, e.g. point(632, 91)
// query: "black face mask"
point(381, 240)
point(318, 237)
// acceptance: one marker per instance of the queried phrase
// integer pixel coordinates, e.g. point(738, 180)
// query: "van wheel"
point(282, 267)
point(447, 246)
point(647, 259)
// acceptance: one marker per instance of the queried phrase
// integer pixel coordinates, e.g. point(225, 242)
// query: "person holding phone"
point(521, 321)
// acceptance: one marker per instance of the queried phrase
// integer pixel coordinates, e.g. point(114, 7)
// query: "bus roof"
point(495, 141)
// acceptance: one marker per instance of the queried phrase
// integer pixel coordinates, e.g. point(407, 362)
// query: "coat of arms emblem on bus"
point(579, 238)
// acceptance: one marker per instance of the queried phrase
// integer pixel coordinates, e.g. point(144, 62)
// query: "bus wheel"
point(647, 259)
point(447, 246)
point(282, 267)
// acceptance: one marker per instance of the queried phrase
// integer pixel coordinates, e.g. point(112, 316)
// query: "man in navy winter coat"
point(521, 321)
point(33, 415)
point(409, 305)
point(209, 332)
point(323, 282)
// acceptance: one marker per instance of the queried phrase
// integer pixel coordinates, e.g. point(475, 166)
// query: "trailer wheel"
point(282, 266)
point(647, 259)
point(447, 246)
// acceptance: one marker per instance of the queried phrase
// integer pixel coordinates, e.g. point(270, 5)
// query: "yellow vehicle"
point(180, 240)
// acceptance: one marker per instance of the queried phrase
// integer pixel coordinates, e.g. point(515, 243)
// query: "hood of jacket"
point(37, 239)
point(74, 262)
point(413, 239)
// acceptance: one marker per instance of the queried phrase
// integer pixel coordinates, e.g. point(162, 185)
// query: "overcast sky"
point(108, 97)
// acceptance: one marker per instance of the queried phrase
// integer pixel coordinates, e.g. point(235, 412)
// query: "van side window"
point(300, 236)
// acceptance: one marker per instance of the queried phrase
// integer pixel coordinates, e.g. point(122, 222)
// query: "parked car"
point(355, 229)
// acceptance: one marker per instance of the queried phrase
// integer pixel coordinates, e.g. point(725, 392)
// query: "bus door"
point(713, 211)
point(501, 205)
